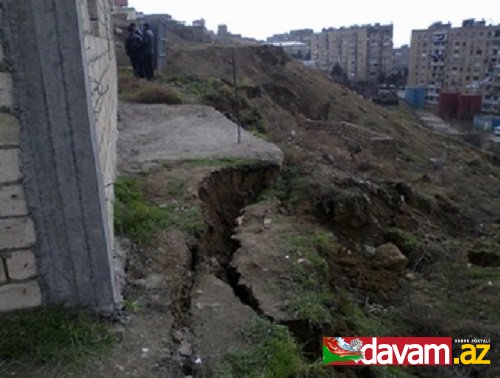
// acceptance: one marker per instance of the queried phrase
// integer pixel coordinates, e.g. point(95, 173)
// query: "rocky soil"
point(373, 225)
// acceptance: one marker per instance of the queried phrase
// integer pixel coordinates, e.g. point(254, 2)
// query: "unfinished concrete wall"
point(18, 285)
point(58, 87)
point(102, 75)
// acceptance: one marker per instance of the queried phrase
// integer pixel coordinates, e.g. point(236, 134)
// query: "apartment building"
point(461, 59)
point(298, 35)
point(363, 52)
point(401, 60)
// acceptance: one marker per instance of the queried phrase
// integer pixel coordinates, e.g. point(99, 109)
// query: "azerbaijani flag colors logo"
point(337, 350)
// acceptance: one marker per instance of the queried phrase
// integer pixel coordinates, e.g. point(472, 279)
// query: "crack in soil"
point(223, 195)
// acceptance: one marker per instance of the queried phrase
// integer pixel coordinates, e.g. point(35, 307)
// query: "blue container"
point(486, 123)
point(415, 97)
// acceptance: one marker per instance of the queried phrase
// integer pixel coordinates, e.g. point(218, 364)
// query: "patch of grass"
point(195, 86)
point(311, 246)
point(132, 306)
point(176, 186)
point(351, 318)
point(140, 219)
point(153, 93)
point(479, 273)
point(315, 307)
point(272, 353)
point(311, 274)
point(289, 186)
point(135, 216)
point(405, 240)
point(364, 324)
point(251, 119)
point(54, 336)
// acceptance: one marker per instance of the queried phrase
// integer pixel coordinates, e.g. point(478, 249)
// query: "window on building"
point(479, 52)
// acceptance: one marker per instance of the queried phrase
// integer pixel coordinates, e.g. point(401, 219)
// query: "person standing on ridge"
point(148, 51)
point(134, 49)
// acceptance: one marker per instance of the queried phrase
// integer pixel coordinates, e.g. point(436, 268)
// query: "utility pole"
point(236, 110)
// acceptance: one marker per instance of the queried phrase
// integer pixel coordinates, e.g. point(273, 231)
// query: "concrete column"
point(63, 176)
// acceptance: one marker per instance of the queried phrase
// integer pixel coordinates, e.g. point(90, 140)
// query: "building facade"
point(364, 53)
point(457, 59)
point(401, 60)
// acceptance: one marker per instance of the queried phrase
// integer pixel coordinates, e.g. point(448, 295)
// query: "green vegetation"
point(220, 94)
point(290, 186)
point(405, 240)
point(140, 219)
point(272, 353)
point(311, 274)
point(480, 273)
point(365, 325)
point(176, 186)
point(53, 336)
point(350, 317)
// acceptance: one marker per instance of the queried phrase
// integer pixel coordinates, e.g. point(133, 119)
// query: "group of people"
point(139, 46)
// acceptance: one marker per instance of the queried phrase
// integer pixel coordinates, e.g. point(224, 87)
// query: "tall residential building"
point(464, 59)
point(363, 52)
point(401, 60)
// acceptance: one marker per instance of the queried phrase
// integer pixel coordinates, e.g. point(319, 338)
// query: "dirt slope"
point(371, 175)
point(377, 225)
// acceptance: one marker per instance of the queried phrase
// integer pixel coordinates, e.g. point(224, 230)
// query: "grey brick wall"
point(18, 285)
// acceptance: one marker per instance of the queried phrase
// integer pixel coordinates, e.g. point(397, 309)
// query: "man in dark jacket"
point(134, 48)
point(148, 51)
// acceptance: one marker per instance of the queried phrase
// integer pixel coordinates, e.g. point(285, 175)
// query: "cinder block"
point(18, 296)
point(12, 201)
point(6, 98)
point(9, 130)
point(10, 165)
point(3, 276)
point(16, 233)
point(21, 265)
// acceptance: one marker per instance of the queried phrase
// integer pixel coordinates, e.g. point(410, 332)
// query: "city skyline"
point(260, 19)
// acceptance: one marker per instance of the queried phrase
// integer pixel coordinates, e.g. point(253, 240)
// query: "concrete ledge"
point(153, 133)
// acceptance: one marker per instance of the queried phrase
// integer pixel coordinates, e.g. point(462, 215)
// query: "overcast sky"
point(262, 18)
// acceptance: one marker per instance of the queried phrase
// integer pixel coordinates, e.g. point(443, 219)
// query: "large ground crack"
point(224, 194)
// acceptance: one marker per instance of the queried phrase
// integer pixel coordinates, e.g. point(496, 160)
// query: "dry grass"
point(133, 89)
point(153, 93)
